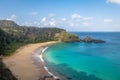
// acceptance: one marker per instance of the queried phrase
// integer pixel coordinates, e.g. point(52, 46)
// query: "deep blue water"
point(86, 61)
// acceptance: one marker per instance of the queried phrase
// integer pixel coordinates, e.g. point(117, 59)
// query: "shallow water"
point(86, 61)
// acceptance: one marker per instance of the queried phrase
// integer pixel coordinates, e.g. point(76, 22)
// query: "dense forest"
point(12, 36)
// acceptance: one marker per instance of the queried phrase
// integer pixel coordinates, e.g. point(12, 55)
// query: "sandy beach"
point(23, 65)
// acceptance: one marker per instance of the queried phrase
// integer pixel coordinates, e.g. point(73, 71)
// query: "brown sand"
point(22, 65)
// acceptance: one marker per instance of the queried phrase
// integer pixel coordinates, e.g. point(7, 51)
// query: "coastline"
point(25, 66)
point(37, 58)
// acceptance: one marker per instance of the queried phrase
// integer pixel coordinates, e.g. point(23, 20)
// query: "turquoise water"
point(86, 61)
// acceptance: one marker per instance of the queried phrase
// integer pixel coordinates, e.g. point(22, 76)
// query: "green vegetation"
point(12, 36)
point(67, 37)
point(88, 39)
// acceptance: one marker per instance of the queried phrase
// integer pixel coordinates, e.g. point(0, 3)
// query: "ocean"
point(86, 61)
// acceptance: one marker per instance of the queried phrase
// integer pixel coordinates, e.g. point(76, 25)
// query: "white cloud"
point(43, 19)
point(52, 23)
point(52, 19)
point(108, 20)
point(75, 21)
point(51, 15)
point(27, 24)
point(76, 16)
point(87, 18)
point(36, 23)
point(33, 13)
point(72, 24)
point(87, 24)
point(48, 22)
point(113, 1)
point(12, 17)
point(63, 19)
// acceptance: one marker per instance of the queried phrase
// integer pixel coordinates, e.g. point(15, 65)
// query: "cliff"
point(67, 37)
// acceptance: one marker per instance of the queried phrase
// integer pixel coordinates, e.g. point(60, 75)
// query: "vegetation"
point(12, 36)
point(67, 37)
point(87, 39)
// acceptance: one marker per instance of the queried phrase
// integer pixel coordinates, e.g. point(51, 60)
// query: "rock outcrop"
point(88, 39)
point(68, 37)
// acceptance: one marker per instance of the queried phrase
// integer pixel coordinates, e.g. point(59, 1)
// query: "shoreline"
point(23, 64)
point(38, 57)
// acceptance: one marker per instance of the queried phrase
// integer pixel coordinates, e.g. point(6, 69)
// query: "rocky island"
point(88, 39)
point(68, 37)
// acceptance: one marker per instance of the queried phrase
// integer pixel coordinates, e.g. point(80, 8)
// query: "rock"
point(88, 39)
point(98, 41)
point(68, 37)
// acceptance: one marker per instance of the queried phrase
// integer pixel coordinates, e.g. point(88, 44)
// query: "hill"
point(12, 36)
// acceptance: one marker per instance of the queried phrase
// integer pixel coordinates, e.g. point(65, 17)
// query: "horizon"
point(79, 16)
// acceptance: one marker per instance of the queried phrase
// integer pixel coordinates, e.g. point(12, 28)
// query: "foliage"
point(67, 37)
point(12, 36)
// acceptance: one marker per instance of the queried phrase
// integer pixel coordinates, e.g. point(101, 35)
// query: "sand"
point(23, 66)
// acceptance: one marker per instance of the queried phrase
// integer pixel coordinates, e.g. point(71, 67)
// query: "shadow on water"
point(68, 73)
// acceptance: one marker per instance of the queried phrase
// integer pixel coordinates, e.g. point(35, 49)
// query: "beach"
point(23, 62)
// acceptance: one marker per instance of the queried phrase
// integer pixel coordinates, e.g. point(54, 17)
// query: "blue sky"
point(72, 15)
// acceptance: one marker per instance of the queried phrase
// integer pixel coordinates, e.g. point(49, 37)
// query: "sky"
point(72, 15)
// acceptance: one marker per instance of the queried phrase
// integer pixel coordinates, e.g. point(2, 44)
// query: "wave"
point(45, 67)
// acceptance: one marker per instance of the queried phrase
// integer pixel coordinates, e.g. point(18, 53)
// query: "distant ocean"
point(86, 61)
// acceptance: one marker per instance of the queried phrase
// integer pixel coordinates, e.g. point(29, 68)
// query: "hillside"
point(67, 37)
point(25, 32)
point(12, 36)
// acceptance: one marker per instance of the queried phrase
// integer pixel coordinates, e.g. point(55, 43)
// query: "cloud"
point(87, 24)
point(63, 19)
point(36, 23)
point(33, 13)
point(51, 15)
point(26, 24)
point(12, 17)
point(87, 18)
point(52, 23)
point(43, 19)
point(113, 1)
point(48, 22)
point(76, 16)
point(75, 20)
point(72, 24)
point(108, 20)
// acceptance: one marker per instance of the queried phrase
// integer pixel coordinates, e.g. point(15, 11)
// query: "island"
point(88, 39)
